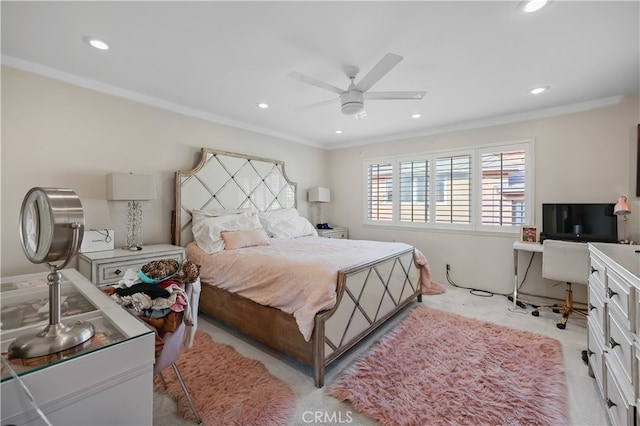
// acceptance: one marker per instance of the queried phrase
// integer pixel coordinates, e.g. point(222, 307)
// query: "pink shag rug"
point(226, 387)
point(438, 368)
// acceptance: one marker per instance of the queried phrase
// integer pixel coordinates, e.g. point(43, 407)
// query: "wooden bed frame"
point(367, 294)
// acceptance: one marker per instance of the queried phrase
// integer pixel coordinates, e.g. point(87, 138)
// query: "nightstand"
point(340, 233)
point(107, 267)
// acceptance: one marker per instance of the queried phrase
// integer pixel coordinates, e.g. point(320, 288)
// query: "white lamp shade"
point(319, 195)
point(130, 187)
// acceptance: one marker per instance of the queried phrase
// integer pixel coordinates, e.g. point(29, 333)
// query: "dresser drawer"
point(598, 270)
point(619, 408)
point(597, 308)
point(595, 346)
point(622, 297)
point(620, 347)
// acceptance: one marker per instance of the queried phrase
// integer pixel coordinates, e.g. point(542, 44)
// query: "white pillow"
point(206, 230)
point(286, 223)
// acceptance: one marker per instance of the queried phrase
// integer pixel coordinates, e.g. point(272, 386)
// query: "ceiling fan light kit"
point(352, 102)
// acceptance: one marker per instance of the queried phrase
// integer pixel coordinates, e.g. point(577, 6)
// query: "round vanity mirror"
point(48, 221)
point(51, 229)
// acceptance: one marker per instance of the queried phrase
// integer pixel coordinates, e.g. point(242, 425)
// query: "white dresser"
point(107, 380)
point(614, 328)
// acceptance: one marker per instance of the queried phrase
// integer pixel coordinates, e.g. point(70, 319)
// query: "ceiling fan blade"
point(316, 105)
point(394, 95)
point(385, 65)
point(312, 81)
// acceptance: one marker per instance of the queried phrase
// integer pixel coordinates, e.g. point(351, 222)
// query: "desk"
point(517, 247)
point(108, 380)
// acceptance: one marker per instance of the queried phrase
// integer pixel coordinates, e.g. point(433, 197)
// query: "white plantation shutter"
point(485, 188)
point(503, 182)
point(414, 191)
point(380, 192)
point(453, 189)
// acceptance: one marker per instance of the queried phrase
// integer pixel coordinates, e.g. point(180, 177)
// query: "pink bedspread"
point(297, 276)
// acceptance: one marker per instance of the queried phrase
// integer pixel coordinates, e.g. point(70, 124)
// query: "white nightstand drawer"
point(340, 233)
point(108, 267)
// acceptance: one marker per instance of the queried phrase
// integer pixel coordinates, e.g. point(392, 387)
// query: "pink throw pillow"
point(245, 238)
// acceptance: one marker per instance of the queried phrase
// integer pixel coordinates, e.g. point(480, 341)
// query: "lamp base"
point(54, 338)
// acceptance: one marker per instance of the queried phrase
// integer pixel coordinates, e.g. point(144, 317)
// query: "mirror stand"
point(60, 219)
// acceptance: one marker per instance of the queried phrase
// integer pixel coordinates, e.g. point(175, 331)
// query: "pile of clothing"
point(157, 294)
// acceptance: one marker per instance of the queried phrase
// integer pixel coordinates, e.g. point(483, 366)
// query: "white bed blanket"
point(297, 276)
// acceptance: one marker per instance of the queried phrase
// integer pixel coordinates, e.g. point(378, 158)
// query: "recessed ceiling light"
point(538, 90)
point(262, 105)
point(338, 132)
point(97, 43)
point(530, 6)
point(416, 115)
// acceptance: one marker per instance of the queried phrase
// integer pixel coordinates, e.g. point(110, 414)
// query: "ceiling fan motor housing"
point(352, 102)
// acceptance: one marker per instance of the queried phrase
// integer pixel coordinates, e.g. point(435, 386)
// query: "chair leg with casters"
point(566, 309)
point(184, 389)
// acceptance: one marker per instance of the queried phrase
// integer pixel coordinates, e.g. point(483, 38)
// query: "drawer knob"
point(593, 270)
point(610, 403)
point(611, 293)
point(613, 343)
point(591, 307)
point(117, 272)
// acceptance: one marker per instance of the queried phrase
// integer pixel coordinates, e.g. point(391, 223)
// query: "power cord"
point(474, 291)
point(486, 293)
point(105, 233)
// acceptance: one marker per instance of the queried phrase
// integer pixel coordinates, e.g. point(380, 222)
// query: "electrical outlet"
point(448, 267)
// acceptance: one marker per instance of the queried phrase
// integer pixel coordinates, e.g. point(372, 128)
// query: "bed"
point(367, 292)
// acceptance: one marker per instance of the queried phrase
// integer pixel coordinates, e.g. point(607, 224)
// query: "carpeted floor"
point(314, 407)
point(442, 368)
point(227, 388)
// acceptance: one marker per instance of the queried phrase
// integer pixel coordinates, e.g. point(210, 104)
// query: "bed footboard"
point(368, 295)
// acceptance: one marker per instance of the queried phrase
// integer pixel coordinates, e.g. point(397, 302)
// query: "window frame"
point(476, 153)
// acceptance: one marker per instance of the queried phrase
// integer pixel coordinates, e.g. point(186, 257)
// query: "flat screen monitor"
point(579, 222)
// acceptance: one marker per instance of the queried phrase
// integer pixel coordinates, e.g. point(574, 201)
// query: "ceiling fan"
point(352, 99)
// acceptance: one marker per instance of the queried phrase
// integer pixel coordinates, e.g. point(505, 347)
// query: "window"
point(414, 191)
point(503, 186)
point(380, 192)
point(485, 188)
point(454, 191)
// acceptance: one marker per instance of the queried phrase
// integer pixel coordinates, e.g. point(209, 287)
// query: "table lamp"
point(623, 209)
point(132, 188)
point(319, 195)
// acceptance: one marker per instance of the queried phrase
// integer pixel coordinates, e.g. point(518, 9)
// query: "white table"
point(517, 247)
point(107, 381)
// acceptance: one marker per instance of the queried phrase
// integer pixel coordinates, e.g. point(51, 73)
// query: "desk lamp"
point(623, 209)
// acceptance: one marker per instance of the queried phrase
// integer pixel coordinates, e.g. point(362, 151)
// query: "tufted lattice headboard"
point(226, 180)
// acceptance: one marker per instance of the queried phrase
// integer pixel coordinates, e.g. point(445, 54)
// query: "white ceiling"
point(216, 60)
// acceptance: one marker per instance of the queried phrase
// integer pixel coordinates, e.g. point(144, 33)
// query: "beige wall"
point(56, 134)
point(59, 135)
point(581, 157)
